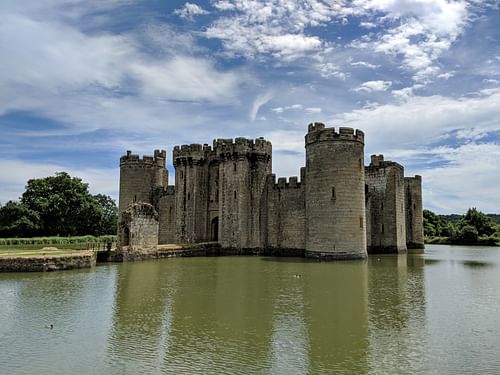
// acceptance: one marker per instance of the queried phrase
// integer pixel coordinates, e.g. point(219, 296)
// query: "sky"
point(82, 81)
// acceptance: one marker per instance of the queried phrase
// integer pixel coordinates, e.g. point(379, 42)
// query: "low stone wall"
point(47, 263)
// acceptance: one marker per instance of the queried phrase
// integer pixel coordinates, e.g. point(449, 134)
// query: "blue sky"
point(82, 81)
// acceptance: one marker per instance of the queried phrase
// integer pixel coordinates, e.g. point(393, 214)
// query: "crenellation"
point(319, 133)
point(226, 192)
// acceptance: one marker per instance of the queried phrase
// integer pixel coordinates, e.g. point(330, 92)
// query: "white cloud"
point(15, 174)
point(259, 101)
point(365, 64)
point(371, 86)
point(470, 178)
point(422, 120)
point(367, 25)
point(313, 110)
point(189, 10)
point(185, 78)
point(101, 80)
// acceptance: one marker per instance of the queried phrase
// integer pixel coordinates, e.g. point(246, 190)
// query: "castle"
point(226, 193)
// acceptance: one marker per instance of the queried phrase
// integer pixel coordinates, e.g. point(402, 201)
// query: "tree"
point(109, 214)
point(16, 219)
point(483, 224)
point(468, 234)
point(66, 207)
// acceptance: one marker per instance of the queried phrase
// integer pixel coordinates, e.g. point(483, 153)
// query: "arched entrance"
point(214, 229)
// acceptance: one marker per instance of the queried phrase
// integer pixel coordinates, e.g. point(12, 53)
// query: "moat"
point(437, 312)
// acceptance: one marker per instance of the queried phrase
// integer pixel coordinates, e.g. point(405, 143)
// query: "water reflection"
point(397, 312)
point(240, 315)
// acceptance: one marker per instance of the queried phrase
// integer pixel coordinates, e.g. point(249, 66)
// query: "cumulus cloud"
point(371, 86)
point(421, 124)
point(189, 10)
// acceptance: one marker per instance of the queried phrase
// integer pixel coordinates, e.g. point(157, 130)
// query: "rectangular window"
point(361, 222)
point(235, 194)
point(333, 193)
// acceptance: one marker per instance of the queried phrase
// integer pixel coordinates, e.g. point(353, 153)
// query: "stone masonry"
point(226, 193)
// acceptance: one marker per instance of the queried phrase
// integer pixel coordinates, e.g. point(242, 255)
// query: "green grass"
point(35, 252)
point(65, 245)
point(55, 240)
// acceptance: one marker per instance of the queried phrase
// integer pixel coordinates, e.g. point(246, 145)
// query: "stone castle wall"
point(414, 212)
point(385, 212)
point(226, 193)
point(335, 201)
point(286, 214)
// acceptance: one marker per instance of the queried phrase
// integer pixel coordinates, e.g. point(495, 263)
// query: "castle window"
point(361, 222)
point(135, 198)
point(333, 193)
point(189, 196)
point(360, 165)
point(381, 228)
point(381, 205)
point(235, 194)
point(234, 167)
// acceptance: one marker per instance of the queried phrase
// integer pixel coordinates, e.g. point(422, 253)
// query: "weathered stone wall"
point(139, 231)
point(84, 259)
point(286, 214)
point(166, 216)
point(414, 212)
point(226, 193)
point(140, 180)
point(385, 212)
point(191, 181)
point(243, 169)
point(335, 193)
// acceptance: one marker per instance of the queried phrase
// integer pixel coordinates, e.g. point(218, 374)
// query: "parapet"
point(194, 152)
point(317, 132)
point(417, 179)
point(158, 160)
point(284, 183)
point(377, 162)
point(242, 147)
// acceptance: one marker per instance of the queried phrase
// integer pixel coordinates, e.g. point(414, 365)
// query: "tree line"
point(58, 205)
point(474, 227)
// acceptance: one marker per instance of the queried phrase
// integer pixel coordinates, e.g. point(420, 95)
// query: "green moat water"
point(432, 313)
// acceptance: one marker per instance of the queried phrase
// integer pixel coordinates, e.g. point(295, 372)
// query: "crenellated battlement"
point(194, 152)
point(284, 182)
point(378, 162)
point(319, 133)
point(134, 160)
point(241, 147)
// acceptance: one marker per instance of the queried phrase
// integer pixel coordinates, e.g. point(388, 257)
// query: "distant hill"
point(455, 218)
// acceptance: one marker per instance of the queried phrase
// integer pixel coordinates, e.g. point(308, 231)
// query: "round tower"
point(140, 177)
point(335, 193)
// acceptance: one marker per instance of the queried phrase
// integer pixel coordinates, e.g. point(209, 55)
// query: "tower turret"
point(335, 193)
point(140, 177)
point(244, 165)
point(414, 213)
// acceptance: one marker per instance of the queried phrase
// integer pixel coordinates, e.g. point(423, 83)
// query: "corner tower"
point(414, 213)
point(139, 180)
point(335, 193)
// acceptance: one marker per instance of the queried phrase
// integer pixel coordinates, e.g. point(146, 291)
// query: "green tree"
point(483, 224)
point(18, 220)
point(65, 205)
point(468, 234)
point(109, 214)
